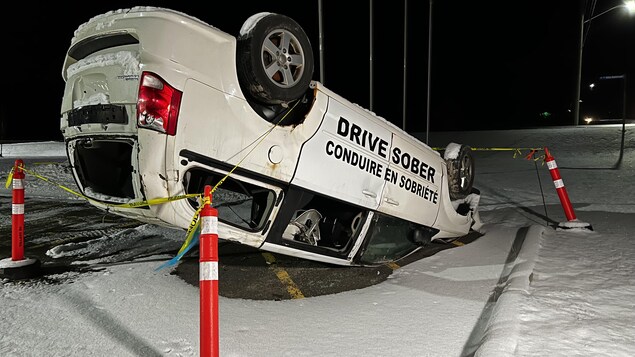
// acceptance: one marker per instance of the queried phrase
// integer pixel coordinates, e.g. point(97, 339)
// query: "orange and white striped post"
point(17, 210)
point(208, 277)
point(557, 181)
point(17, 266)
point(572, 221)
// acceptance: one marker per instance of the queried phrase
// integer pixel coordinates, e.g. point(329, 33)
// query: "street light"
point(630, 6)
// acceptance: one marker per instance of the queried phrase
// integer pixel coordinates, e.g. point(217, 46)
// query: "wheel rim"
point(465, 172)
point(282, 58)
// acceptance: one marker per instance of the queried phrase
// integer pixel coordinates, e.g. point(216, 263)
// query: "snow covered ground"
point(524, 288)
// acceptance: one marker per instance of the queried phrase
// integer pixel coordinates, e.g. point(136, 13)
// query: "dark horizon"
point(492, 67)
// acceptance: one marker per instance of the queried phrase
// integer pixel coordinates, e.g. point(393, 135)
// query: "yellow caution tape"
point(190, 231)
point(154, 201)
point(494, 149)
point(9, 179)
point(195, 222)
point(35, 174)
point(517, 151)
point(47, 163)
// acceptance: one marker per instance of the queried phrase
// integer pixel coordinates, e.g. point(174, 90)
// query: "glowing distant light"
point(630, 6)
point(588, 120)
point(592, 85)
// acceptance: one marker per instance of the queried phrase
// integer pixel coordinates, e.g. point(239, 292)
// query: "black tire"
point(460, 172)
point(274, 59)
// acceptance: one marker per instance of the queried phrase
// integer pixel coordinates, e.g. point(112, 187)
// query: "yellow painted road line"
point(292, 289)
point(283, 276)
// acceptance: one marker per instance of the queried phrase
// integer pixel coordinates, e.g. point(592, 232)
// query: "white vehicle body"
point(319, 187)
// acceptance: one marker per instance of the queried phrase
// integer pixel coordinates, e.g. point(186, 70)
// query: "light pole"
point(630, 6)
point(429, 73)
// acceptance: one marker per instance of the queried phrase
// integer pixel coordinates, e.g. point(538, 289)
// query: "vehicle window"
point(239, 203)
point(319, 224)
point(327, 223)
point(392, 238)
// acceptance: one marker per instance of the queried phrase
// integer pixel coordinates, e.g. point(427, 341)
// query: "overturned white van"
point(159, 104)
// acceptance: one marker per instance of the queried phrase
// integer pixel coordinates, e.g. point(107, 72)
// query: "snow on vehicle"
point(159, 104)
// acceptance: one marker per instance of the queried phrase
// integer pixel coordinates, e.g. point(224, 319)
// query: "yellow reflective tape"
point(457, 243)
point(393, 265)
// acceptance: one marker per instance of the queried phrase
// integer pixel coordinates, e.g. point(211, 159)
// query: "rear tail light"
point(158, 104)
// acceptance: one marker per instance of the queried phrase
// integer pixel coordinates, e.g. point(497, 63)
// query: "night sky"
point(494, 65)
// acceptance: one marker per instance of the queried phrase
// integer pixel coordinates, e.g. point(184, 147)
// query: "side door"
point(347, 157)
point(413, 182)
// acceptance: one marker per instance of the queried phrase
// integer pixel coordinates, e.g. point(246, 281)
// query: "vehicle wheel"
point(274, 58)
point(460, 164)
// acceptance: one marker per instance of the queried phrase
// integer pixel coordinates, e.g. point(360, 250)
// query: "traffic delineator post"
point(18, 267)
point(572, 221)
point(208, 277)
point(17, 212)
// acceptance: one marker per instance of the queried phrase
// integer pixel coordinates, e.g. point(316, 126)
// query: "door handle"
point(369, 193)
point(391, 201)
